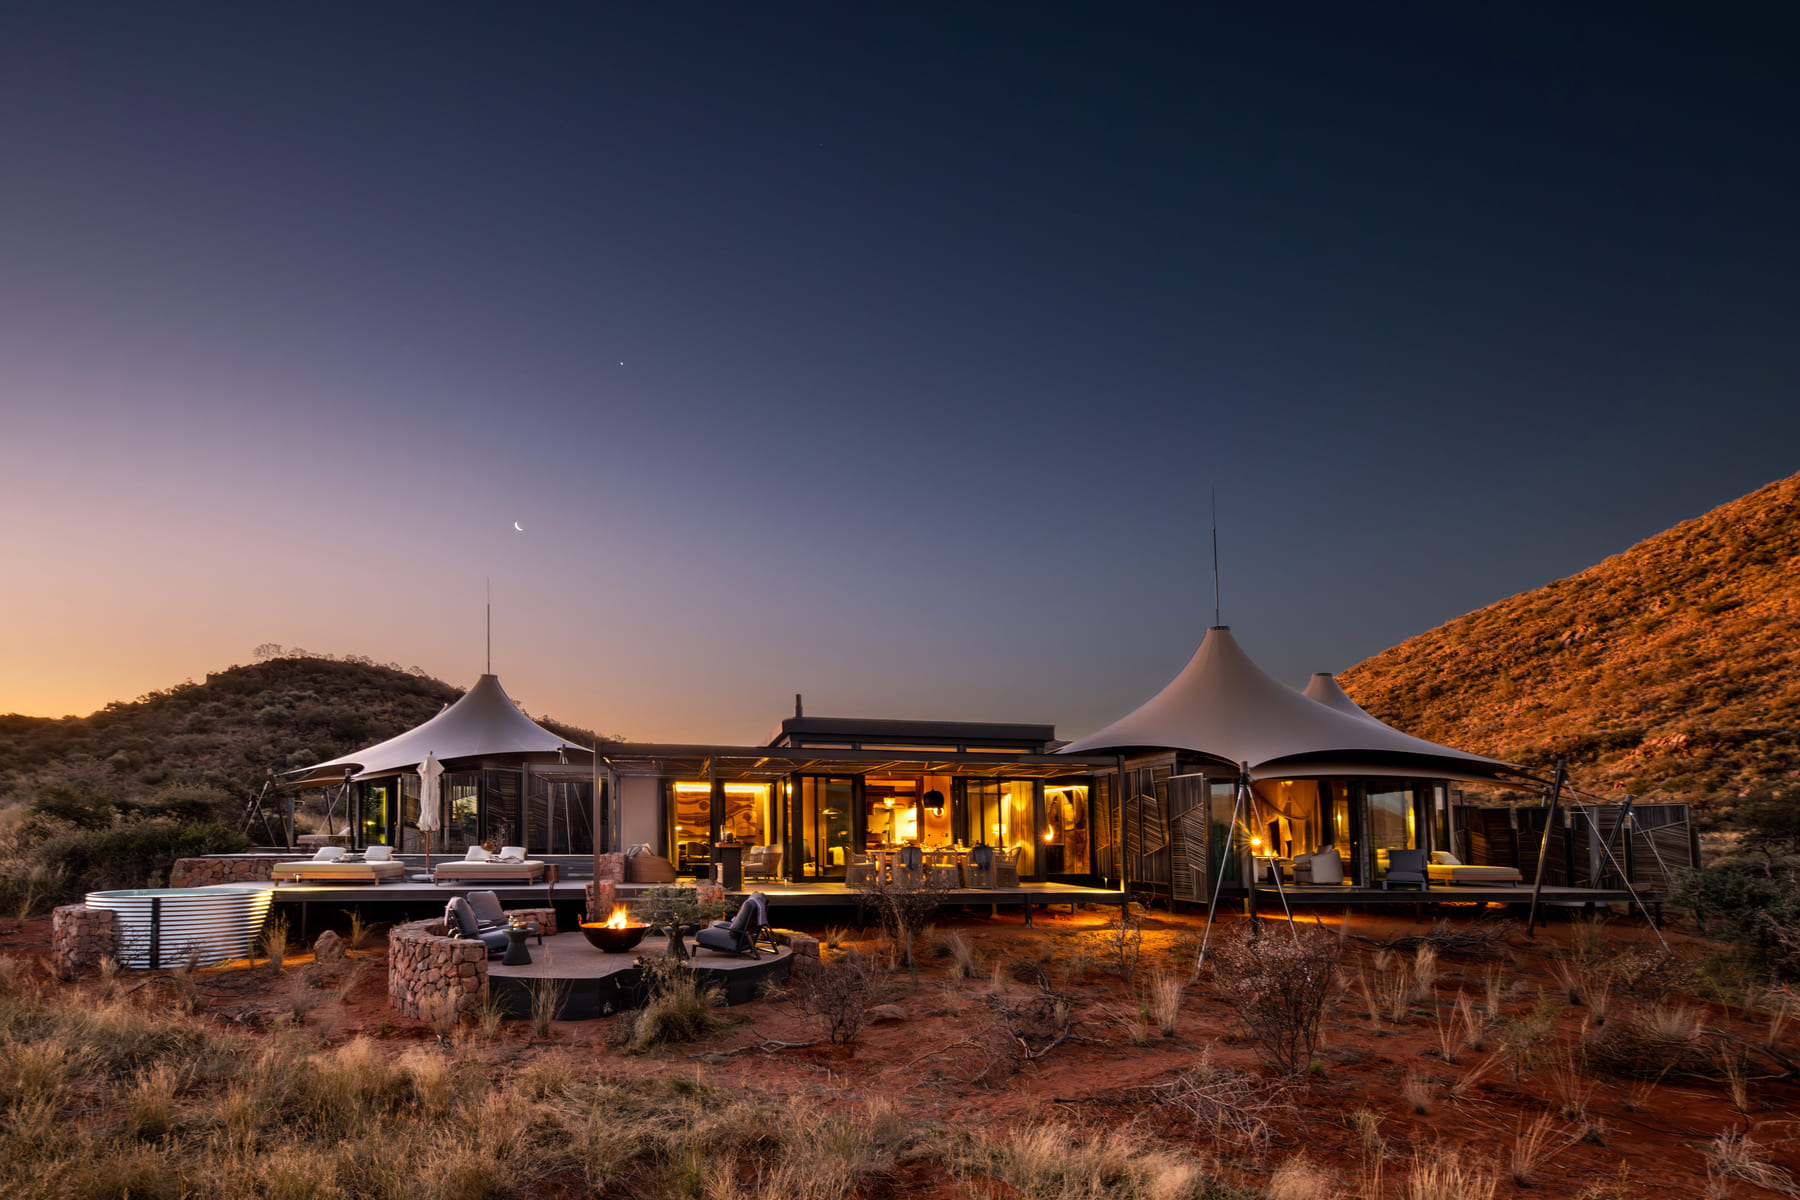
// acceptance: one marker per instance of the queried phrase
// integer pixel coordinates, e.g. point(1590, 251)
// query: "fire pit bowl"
point(613, 939)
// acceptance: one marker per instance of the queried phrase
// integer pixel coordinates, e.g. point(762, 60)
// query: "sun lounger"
point(332, 864)
point(509, 866)
point(1447, 868)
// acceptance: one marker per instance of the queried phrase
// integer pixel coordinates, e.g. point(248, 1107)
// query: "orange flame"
point(621, 917)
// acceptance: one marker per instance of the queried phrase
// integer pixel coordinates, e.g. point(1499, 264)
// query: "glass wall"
point(1065, 837)
point(1019, 820)
point(462, 811)
point(1393, 822)
point(375, 811)
point(825, 826)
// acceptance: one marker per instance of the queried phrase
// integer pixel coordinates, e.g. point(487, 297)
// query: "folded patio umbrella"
point(430, 801)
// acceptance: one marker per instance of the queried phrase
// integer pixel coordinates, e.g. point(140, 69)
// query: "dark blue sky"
point(889, 357)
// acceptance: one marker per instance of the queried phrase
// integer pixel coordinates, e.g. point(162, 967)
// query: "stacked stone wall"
point(610, 867)
point(80, 937)
point(224, 868)
point(426, 968)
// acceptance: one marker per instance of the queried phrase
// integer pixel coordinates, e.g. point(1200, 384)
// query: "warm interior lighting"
point(1049, 835)
point(731, 789)
point(1255, 841)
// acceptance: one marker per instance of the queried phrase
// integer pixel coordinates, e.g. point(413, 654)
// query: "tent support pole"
point(1237, 803)
point(1615, 862)
point(1550, 803)
point(1274, 863)
point(1119, 806)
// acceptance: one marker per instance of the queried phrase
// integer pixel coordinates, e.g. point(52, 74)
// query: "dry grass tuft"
point(1417, 1090)
point(1733, 1155)
point(1447, 1175)
point(1536, 1144)
point(1299, 1178)
point(1165, 1002)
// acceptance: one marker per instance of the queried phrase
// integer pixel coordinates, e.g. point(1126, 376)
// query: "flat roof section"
point(771, 763)
point(941, 735)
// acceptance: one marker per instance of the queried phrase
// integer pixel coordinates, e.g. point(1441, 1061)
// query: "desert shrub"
point(1752, 906)
point(1277, 983)
point(903, 912)
point(83, 810)
point(839, 996)
point(678, 1008)
point(130, 854)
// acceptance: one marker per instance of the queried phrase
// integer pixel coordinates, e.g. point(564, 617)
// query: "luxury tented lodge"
point(1224, 784)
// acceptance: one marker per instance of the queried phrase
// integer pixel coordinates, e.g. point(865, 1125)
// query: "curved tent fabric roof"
point(1324, 688)
point(483, 722)
point(1224, 705)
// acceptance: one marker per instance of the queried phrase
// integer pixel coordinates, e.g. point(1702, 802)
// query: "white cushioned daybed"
point(509, 866)
point(333, 864)
point(1445, 867)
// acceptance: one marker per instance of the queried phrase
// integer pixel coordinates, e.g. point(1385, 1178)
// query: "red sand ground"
point(1656, 1145)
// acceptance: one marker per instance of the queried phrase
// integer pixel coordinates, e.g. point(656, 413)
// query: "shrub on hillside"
point(83, 810)
point(1755, 906)
point(131, 854)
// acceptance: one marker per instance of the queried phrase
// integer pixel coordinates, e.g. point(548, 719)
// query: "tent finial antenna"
point(1217, 620)
point(490, 627)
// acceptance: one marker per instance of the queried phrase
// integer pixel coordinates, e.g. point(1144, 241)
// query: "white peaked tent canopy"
point(484, 723)
point(1324, 688)
point(1224, 705)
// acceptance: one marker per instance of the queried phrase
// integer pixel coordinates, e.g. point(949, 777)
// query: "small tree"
point(1277, 982)
point(903, 911)
point(674, 911)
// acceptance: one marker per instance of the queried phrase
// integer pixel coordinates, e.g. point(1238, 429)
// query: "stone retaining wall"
point(80, 937)
point(225, 868)
point(425, 968)
point(610, 867)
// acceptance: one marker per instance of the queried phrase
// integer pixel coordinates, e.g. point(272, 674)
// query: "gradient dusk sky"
point(886, 354)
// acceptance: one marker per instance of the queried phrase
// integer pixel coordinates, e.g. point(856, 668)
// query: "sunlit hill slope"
point(1671, 670)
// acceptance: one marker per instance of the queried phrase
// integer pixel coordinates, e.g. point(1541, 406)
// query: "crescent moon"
point(518, 527)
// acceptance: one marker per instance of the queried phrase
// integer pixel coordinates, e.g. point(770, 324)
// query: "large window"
point(1065, 847)
point(825, 826)
point(1393, 821)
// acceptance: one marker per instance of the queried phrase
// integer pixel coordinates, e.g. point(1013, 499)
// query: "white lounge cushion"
point(378, 854)
point(328, 853)
point(1444, 858)
point(512, 854)
point(477, 854)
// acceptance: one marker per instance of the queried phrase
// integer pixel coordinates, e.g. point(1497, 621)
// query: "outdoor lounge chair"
point(1407, 868)
point(509, 866)
point(1447, 868)
point(1326, 866)
point(460, 921)
point(333, 864)
point(740, 935)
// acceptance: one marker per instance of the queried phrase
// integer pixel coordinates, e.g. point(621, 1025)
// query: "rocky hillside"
point(223, 734)
point(1669, 671)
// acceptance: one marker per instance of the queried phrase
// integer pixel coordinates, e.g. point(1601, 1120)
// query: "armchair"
point(1407, 868)
point(743, 932)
